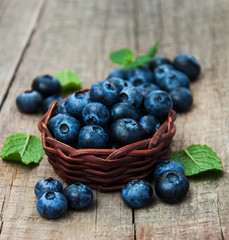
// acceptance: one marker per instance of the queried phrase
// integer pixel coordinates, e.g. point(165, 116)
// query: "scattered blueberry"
point(131, 95)
point(187, 64)
point(47, 101)
point(78, 196)
point(172, 186)
point(161, 72)
point(29, 101)
point(157, 61)
point(137, 193)
point(165, 166)
point(52, 205)
point(46, 85)
point(120, 73)
point(182, 99)
point(140, 75)
point(150, 124)
point(46, 185)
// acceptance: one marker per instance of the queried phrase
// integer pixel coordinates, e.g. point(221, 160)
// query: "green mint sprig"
point(125, 57)
point(197, 159)
point(23, 148)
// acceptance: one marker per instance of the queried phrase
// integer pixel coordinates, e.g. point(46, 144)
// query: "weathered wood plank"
point(17, 22)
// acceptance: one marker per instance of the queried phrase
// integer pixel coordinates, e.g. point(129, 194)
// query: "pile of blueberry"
point(45, 90)
point(53, 201)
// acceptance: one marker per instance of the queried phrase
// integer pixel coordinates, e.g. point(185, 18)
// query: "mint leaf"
point(69, 81)
point(153, 50)
point(122, 56)
point(196, 159)
point(22, 147)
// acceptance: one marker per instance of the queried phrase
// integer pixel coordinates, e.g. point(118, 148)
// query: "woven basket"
point(107, 169)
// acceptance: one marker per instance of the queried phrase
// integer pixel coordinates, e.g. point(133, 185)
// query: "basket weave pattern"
point(107, 169)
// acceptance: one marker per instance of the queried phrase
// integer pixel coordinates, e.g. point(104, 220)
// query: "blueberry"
point(46, 185)
point(66, 130)
point(158, 103)
point(150, 86)
point(78, 196)
point(93, 136)
point(182, 99)
point(131, 95)
point(29, 101)
point(123, 110)
point(161, 72)
point(119, 83)
point(126, 130)
point(52, 205)
point(95, 113)
point(139, 75)
point(165, 166)
point(47, 101)
point(61, 107)
point(157, 61)
point(76, 102)
point(46, 85)
point(56, 118)
point(173, 80)
point(104, 92)
point(120, 73)
point(150, 124)
point(172, 186)
point(137, 193)
point(187, 64)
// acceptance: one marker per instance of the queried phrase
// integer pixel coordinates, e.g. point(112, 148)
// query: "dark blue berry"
point(61, 107)
point(187, 64)
point(120, 73)
point(161, 72)
point(150, 86)
point(66, 130)
point(105, 92)
point(78, 196)
point(137, 193)
point(126, 130)
point(95, 113)
point(158, 103)
point(123, 110)
point(46, 85)
point(150, 124)
point(172, 186)
point(56, 118)
point(131, 95)
point(29, 101)
point(47, 101)
point(93, 136)
point(46, 185)
point(165, 166)
point(182, 99)
point(52, 205)
point(140, 75)
point(119, 83)
point(76, 102)
point(157, 61)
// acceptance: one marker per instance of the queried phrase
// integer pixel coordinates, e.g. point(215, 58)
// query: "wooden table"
point(39, 37)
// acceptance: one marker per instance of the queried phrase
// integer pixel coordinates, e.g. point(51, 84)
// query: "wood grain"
point(80, 34)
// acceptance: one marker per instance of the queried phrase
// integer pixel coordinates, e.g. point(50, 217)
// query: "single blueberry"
point(150, 86)
point(47, 101)
point(131, 95)
point(29, 101)
point(187, 64)
point(161, 72)
point(165, 166)
point(47, 85)
point(78, 196)
point(126, 130)
point(137, 193)
point(52, 205)
point(61, 107)
point(120, 73)
point(56, 118)
point(46, 185)
point(158, 103)
point(95, 113)
point(139, 75)
point(172, 186)
point(105, 92)
point(157, 61)
point(93, 136)
point(76, 102)
point(119, 83)
point(182, 99)
point(66, 130)
point(150, 124)
point(123, 110)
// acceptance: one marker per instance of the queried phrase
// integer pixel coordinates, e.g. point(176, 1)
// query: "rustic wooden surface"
point(39, 37)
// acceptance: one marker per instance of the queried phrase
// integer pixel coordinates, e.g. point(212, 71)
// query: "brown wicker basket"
point(107, 169)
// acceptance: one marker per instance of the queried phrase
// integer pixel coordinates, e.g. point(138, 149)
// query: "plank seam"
point(220, 224)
